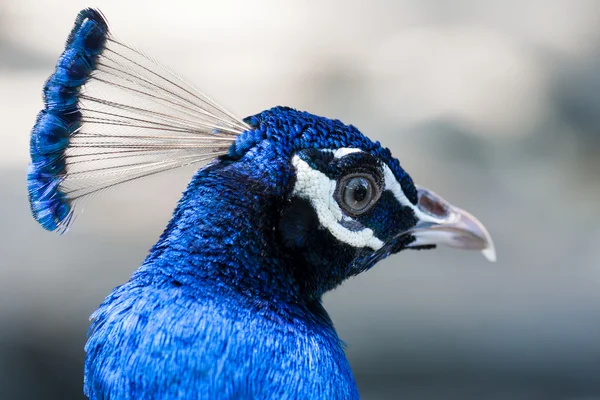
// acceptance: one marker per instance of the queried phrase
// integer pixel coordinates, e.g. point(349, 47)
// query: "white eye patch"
point(344, 151)
point(319, 189)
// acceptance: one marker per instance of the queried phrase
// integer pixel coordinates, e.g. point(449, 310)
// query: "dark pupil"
point(358, 193)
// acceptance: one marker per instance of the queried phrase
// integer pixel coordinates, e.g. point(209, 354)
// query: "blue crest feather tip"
point(60, 120)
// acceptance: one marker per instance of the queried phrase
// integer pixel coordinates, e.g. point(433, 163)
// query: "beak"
point(442, 223)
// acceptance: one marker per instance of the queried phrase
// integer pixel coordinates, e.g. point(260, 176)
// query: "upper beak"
point(442, 223)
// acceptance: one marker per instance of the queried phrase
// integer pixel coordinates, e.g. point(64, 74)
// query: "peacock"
point(284, 206)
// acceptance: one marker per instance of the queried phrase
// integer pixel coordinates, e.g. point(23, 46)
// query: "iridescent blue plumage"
point(227, 305)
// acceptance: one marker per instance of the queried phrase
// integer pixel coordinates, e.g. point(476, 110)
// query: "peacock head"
point(343, 201)
point(337, 201)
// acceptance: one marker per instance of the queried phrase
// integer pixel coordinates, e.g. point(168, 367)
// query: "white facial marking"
point(319, 189)
point(344, 151)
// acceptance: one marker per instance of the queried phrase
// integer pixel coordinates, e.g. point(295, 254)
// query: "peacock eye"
point(357, 193)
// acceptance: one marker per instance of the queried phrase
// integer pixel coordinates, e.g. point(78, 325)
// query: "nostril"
point(431, 204)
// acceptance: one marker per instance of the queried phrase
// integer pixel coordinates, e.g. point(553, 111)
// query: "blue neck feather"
point(221, 237)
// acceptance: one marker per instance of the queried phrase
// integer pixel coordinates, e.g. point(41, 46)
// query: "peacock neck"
point(220, 240)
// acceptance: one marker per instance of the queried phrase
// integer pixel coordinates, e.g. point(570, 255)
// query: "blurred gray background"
point(493, 104)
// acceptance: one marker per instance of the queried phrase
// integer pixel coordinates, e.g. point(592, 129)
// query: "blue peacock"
point(284, 207)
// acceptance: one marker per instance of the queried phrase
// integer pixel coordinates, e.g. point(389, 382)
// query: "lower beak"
point(442, 223)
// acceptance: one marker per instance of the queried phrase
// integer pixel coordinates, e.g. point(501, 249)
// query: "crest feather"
point(113, 115)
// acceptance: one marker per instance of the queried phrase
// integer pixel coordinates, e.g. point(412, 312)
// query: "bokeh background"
point(494, 104)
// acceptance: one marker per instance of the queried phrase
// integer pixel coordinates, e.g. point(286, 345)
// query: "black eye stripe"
point(318, 159)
